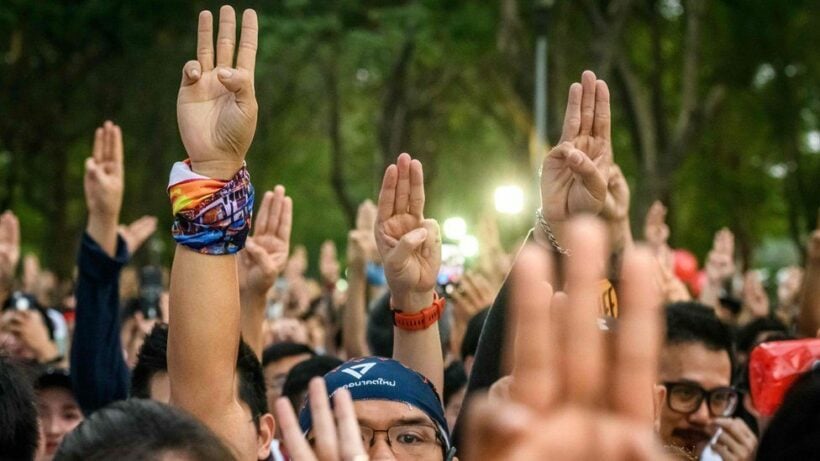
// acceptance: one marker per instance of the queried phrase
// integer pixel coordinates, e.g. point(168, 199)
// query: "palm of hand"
point(419, 271)
point(212, 125)
point(568, 195)
point(264, 275)
point(103, 190)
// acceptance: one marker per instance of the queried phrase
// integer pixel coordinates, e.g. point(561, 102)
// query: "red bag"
point(774, 366)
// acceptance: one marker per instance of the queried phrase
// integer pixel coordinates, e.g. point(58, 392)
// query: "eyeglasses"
point(687, 397)
point(413, 440)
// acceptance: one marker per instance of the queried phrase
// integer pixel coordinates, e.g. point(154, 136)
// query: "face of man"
point(411, 433)
point(59, 414)
point(690, 363)
point(275, 375)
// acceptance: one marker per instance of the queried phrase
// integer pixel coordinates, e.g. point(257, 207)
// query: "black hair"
point(279, 351)
point(455, 378)
point(153, 359)
point(747, 335)
point(469, 344)
point(296, 384)
point(138, 429)
point(18, 414)
point(794, 432)
point(692, 322)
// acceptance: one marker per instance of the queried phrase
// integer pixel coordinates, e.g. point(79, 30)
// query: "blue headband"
point(376, 378)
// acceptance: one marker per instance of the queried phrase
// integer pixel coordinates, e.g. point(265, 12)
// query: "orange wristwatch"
point(422, 319)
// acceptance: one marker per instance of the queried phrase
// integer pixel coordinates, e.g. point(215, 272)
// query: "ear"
point(264, 436)
point(658, 397)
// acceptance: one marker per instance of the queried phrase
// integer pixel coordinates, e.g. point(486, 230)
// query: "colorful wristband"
point(211, 216)
point(422, 319)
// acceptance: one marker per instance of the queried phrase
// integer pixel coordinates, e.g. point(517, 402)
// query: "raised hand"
point(216, 105)
point(616, 206)
point(755, 299)
point(575, 172)
point(365, 223)
point(9, 250)
point(656, 233)
point(720, 263)
point(336, 433)
point(409, 245)
point(266, 252)
point(136, 233)
point(329, 263)
point(586, 407)
point(103, 185)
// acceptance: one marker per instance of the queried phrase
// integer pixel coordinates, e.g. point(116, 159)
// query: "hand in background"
point(755, 299)
point(9, 251)
point(266, 252)
point(656, 233)
point(720, 263)
point(216, 104)
point(329, 263)
point(136, 233)
point(103, 185)
point(409, 245)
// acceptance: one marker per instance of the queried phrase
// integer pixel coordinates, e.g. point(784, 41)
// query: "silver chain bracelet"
point(545, 227)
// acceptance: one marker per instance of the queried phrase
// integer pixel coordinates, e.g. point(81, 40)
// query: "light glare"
point(455, 228)
point(468, 246)
point(509, 199)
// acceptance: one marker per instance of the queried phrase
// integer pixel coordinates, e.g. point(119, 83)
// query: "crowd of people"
point(582, 344)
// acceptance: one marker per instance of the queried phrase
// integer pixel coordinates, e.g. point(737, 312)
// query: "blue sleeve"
point(99, 373)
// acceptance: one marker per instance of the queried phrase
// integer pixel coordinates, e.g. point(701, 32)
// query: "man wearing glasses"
point(694, 398)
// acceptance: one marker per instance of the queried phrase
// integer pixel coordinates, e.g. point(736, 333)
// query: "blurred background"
point(716, 107)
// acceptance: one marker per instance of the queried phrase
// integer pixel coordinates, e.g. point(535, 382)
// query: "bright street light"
point(509, 199)
point(468, 246)
point(455, 228)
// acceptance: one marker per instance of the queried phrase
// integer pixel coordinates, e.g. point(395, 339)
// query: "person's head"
point(277, 361)
point(455, 387)
point(296, 383)
point(138, 429)
point(399, 411)
point(58, 410)
point(758, 331)
point(696, 360)
point(18, 415)
point(794, 432)
point(149, 380)
point(469, 345)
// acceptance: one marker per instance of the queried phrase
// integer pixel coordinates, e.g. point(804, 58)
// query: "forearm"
point(419, 350)
point(252, 318)
point(353, 324)
point(103, 230)
point(98, 370)
point(809, 317)
point(620, 235)
point(203, 339)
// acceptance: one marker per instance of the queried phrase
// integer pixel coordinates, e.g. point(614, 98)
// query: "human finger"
point(584, 376)
point(587, 102)
point(572, 116)
point(350, 437)
point(737, 430)
point(108, 141)
point(205, 41)
point(117, 149)
point(259, 256)
point(248, 41)
point(592, 178)
point(638, 338)
point(295, 442)
point(226, 37)
point(285, 220)
point(403, 186)
point(416, 189)
point(530, 331)
point(99, 141)
point(276, 206)
point(387, 195)
point(431, 247)
point(191, 72)
point(724, 452)
point(262, 216)
point(240, 83)
point(602, 122)
point(324, 428)
point(408, 244)
point(492, 428)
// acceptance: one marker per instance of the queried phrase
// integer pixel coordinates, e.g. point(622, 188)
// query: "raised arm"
point(809, 320)
point(410, 248)
point(216, 112)
point(264, 258)
point(98, 370)
point(360, 247)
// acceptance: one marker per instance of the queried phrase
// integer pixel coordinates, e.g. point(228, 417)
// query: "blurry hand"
point(755, 299)
point(103, 182)
point(409, 245)
point(266, 252)
point(30, 329)
point(616, 205)
point(656, 233)
point(328, 263)
point(473, 294)
point(216, 104)
point(334, 439)
point(736, 442)
point(720, 263)
point(9, 249)
point(585, 407)
point(575, 172)
point(136, 233)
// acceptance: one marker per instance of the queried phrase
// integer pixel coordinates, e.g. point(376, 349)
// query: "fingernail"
point(225, 73)
point(194, 73)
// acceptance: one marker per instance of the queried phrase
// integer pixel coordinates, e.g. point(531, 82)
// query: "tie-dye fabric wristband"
point(211, 216)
